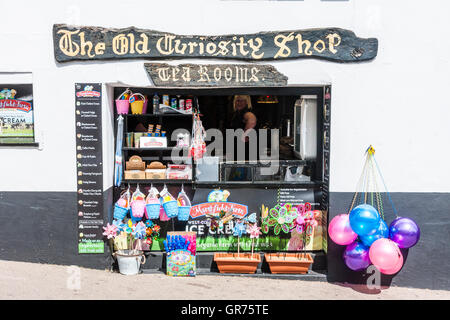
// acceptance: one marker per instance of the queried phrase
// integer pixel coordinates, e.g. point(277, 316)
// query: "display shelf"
point(156, 181)
point(299, 184)
point(158, 115)
point(154, 149)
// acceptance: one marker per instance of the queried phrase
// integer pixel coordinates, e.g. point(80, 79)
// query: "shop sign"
point(214, 208)
point(97, 43)
point(205, 75)
point(16, 113)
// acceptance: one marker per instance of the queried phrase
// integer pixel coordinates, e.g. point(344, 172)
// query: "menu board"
point(88, 123)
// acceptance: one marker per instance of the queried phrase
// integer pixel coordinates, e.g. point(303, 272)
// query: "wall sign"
point(16, 113)
point(195, 75)
point(97, 43)
point(88, 117)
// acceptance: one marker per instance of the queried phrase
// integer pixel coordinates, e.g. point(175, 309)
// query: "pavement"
point(30, 281)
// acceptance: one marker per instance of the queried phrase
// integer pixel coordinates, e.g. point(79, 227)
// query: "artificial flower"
point(156, 228)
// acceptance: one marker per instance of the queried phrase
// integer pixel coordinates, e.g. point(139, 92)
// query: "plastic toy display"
point(181, 249)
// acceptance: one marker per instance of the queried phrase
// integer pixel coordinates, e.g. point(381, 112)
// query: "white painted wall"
point(397, 102)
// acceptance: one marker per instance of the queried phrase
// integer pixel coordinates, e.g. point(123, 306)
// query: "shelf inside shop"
point(158, 115)
point(157, 181)
point(298, 184)
point(154, 149)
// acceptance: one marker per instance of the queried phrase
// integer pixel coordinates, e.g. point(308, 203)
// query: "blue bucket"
point(152, 210)
point(119, 212)
point(171, 208)
point(183, 213)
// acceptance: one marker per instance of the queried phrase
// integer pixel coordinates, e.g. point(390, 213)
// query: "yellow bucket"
point(137, 105)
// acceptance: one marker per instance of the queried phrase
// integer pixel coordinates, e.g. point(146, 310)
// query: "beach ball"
point(364, 220)
point(384, 254)
point(382, 232)
point(356, 256)
point(340, 231)
point(395, 269)
point(405, 232)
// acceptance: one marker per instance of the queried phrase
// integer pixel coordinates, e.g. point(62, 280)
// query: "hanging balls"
point(405, 232)
point(395, 269)
point(382, 232)
point(356, 256)
point(364, 220)
point(340, 231)
point(384, 254)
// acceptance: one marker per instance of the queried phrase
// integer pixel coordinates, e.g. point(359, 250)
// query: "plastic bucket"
point(119, 212)
point(152, 210)
point(137, 210)
point(183, 213)
point(171, 208)
point(122, 106)
point(162, 214)
point(129, 263)
point(144, 107)
point(137, 106)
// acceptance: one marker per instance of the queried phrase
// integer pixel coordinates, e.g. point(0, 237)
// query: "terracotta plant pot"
point(234, 263)
point(289, 262)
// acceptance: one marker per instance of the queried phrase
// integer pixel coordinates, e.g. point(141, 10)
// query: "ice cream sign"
point(7, 101)
point(216, 204)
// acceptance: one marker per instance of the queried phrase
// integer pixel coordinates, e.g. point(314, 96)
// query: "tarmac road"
point(21, 280)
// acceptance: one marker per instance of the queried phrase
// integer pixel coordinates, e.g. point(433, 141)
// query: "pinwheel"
point(281, 218)
point(110, 231)
point(239, 229)
point(254, 231)
point(120, 225)
point(139, 231)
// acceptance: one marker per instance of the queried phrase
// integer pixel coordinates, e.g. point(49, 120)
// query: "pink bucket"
point(144, 108)
point(123, 105)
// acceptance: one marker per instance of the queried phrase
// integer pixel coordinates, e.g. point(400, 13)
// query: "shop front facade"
point(60, 180)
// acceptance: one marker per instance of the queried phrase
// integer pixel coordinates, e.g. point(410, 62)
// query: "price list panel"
point(88, 123)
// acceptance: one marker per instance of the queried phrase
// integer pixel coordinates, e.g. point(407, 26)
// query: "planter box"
point(234, 263)
point(289, 262)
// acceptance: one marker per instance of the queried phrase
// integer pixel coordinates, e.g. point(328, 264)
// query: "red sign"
point(214, 208)
point(15, 104)
point(88, 94)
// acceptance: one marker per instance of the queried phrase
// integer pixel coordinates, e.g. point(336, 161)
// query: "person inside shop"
point(242, 118)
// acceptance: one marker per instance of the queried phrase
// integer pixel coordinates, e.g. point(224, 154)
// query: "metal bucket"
point(129, 261)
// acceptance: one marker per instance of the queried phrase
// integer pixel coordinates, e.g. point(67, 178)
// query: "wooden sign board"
point(206, 75)
point(97, 43)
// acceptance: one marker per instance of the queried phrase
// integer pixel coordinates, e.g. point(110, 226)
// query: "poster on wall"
point(214, 227)
point(88, 117)
point(16, 114)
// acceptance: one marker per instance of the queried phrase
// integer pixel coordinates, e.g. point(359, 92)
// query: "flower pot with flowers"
point(286, 218)
point(127, 239)
point(240, 262)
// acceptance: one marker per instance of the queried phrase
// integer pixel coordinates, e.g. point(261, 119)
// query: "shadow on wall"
point(426, 265)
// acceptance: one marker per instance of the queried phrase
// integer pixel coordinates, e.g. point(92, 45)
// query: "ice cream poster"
point(16, 113)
